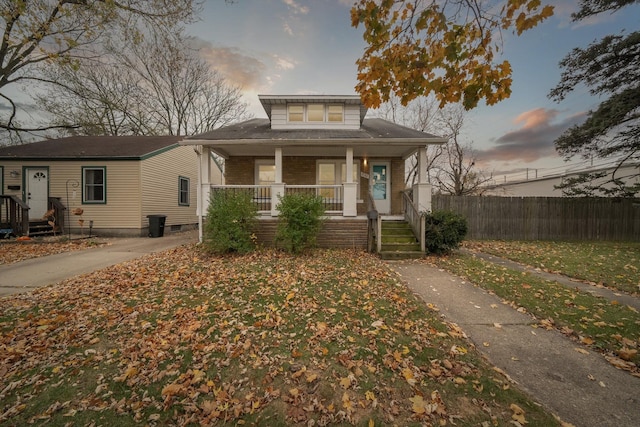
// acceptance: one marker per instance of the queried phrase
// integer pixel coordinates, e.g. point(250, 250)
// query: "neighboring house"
point(544, 186)
point(115, 181)
point(320, 144)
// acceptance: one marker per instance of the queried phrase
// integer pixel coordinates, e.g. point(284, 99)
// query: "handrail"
point(414, 218)
point(16, 214)
point(56, 204)
point(374, 226)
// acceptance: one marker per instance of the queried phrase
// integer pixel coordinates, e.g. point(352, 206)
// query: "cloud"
point(295, 7)
point(235, 66)
point(284, 63)
point(533, 140)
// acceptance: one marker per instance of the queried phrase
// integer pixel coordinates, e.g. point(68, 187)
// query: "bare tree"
point(156, 86)
point(457, 174)
point(451, 168)
point(419, 114)
point(41, 34)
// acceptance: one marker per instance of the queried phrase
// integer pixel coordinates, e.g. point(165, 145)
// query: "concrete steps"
point(398, 241)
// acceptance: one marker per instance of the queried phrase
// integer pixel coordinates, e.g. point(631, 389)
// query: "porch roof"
point(375, 138)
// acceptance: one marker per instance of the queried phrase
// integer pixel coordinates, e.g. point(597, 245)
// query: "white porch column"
point(204, 184)
point(278, 161)
point(277, 188)
point(422, 190)
point(350, 188)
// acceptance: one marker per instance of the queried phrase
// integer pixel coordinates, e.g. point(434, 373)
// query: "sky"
point(288, 47)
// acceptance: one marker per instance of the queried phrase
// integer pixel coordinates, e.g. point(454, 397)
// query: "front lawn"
point(612, 264)
point(330, 338)
point(606, 326)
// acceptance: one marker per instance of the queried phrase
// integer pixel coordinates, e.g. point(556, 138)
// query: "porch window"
point(265, 177)
point(94, 185)
point(334, 172)
point(183, 191)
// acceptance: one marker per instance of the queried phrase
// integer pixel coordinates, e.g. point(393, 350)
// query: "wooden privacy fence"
point(546, 218)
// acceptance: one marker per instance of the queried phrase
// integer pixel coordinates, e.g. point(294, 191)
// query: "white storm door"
point(380, 179)
point(37, 191)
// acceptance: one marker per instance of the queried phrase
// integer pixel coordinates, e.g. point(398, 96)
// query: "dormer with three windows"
point(314, 111)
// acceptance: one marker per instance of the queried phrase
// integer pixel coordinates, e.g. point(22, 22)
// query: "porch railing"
point(58, 208)
point(260, 194)
point(14, 215)
point(414, 218)
point(332, 195)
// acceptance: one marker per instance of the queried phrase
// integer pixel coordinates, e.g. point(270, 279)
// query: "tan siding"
point(122, 210)
point(160, 186)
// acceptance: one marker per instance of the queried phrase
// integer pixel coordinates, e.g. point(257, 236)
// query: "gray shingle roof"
point(260, 129)
point(97, 147)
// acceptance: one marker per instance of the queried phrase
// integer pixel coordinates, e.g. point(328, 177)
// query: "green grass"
point(612, 264)
point(604, 325)
point(267, 338)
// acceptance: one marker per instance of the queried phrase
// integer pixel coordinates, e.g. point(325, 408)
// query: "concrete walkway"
point(583, 389)
point(33, 273)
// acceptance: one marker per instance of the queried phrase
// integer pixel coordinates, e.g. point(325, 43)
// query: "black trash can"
point(156, 225)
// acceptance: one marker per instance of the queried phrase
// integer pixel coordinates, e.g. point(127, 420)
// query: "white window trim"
point(305, 114)
point(338, 171)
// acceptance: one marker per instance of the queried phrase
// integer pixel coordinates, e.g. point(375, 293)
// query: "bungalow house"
point(109, 183)
point(321, 144)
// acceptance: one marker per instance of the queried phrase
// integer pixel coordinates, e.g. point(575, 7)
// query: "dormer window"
point(296, 113)
point(315, 113)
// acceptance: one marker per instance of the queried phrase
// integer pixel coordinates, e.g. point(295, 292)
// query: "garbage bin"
point(156, 225)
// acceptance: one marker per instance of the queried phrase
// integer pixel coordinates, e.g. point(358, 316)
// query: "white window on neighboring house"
point(94, 185)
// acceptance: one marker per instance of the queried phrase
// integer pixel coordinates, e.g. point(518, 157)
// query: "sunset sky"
point(309, 47)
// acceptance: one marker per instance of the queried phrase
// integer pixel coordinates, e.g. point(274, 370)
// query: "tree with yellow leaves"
point(446, 47)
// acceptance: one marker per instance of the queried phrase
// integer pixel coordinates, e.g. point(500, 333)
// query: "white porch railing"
point(265, 197)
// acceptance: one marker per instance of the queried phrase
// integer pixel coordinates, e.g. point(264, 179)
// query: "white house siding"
point(160, 186)
point(351, 119)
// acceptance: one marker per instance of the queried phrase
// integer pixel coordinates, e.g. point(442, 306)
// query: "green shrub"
point(444, 231)
point(231, 218)
point(299, 222)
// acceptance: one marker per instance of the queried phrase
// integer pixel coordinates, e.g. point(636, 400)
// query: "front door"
point(37, 191)
point(381, 186)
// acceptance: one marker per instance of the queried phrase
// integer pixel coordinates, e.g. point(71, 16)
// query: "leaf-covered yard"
point(13, 251)
point(180, 338)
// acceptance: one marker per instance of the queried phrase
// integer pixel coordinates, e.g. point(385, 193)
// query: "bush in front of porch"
point(300, 220)
point(231, 218)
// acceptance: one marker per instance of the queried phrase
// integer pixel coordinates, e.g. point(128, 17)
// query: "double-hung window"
point(183, 191)
point(94, 185)
point(334, 172)
point(315, 113)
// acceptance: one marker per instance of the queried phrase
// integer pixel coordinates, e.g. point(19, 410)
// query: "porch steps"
point(40, 228)
point(398, 241)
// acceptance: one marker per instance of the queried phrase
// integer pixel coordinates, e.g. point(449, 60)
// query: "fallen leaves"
point(181, 338)
point(22, 250)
